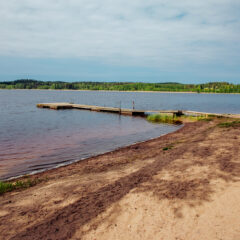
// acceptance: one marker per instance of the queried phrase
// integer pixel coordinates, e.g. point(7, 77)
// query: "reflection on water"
point(33, 139)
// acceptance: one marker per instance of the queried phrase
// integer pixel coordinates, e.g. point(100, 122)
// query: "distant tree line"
point(212, 87)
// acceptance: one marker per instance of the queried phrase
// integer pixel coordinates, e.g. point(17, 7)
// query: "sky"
point(122, 40)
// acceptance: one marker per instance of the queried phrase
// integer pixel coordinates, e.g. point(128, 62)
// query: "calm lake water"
point(33, 139)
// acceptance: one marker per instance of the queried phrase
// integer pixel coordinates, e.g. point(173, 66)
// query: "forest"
point(211, 87)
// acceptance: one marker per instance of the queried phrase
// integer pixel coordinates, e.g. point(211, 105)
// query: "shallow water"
point(33, 139)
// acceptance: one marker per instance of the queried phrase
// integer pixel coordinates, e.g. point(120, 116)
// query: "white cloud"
point(160, 33)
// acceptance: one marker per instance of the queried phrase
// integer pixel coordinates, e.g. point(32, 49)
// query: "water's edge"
point(89, 157)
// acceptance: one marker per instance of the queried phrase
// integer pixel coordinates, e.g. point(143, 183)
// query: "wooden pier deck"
point(125, 111)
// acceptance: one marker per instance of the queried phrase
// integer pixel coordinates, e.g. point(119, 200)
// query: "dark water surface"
point(33, 139)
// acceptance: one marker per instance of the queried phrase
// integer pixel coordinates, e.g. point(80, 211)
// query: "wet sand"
point(184, 185)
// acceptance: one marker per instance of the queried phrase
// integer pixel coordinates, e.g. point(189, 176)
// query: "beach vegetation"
point(229, 124)
point(207, 119)
point(164, 118)
point(173, 119)
point(10, 186)
point(167, 148)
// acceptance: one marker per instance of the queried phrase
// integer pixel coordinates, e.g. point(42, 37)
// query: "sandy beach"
point(181, 186)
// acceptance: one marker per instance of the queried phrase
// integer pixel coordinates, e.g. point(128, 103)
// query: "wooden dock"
point(131, 112)
point(124, 111)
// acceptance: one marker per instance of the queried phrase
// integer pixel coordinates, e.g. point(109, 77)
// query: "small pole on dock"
point(133, 105)
point(120, 107)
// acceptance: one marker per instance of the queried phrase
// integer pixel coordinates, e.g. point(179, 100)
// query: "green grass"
point(167, 148)
point(229, 124)
point(198, 118)
point(6, 187)
point(207, 119)
point(164, 118)
point(10, 186)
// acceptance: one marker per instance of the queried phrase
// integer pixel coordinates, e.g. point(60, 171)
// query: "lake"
point(33, 139)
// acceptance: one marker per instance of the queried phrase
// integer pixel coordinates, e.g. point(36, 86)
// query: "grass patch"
point(173, 119)
point(229, 124)
point(207, 119)
point(167, 148)
point(10, 186)
point(198, 118)
point(164, 118)
point(5, 187)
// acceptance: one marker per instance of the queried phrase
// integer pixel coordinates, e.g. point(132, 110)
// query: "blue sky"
point(138, 40)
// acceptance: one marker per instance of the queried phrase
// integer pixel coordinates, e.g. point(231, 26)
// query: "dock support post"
point(120, 107)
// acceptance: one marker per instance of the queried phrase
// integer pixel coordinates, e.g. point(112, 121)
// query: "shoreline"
point(62, 165)
point(72, 90)
point(182, 185)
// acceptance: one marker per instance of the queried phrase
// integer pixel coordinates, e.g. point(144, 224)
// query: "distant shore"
point(182, 185)
point(79, 90)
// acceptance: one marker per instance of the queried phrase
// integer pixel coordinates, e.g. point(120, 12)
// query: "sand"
point(189, 191)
